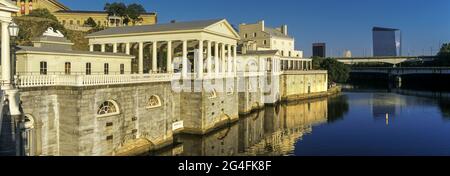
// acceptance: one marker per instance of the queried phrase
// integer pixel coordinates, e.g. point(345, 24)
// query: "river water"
point(371, 122)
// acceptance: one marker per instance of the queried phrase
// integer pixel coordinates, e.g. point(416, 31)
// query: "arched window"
point(153, 102)
point(108, 108)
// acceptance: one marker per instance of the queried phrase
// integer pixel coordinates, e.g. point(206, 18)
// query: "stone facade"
point(211, 108)
point(67, 121)
point(303, 84)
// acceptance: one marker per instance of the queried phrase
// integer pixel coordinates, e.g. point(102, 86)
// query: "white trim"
point(110, 114)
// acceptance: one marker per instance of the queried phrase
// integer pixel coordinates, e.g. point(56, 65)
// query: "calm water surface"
point(376, 122)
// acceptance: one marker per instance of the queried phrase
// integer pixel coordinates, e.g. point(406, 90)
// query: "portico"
point(194, 49)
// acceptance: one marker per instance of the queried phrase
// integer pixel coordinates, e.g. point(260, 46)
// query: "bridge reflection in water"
point(273, 131)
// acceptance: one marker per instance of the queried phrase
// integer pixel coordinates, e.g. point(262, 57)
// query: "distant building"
point(348, 54)
point(319, 50)
point(266, 38)
point(386, 42)
point(75, 19)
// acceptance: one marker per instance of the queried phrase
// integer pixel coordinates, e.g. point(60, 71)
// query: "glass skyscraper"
point(387, 42)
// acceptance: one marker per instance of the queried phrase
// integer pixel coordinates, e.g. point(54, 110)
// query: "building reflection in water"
point(269, 132)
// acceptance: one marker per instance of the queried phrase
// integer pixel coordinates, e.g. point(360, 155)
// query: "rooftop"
point(384, 29)
point(192, 25)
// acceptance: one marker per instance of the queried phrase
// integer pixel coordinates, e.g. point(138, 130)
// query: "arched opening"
point(108, 108)
point(153, 102)
point(31, 136)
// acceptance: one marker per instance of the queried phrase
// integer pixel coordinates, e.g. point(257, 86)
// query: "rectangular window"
point(122, 69)
point(67, 68)
point(246, 35)
point(265, 42)
point(106, 68)
point(88, 68)
point(71, 22)
point(43, 68)
point(254, 34)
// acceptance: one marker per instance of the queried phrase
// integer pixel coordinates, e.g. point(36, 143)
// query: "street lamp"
point(13, 30)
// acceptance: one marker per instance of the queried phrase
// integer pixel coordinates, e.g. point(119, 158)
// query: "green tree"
point(116, 8)
point(43, 13)
point(90, 22)
point(337, 71)
point(134, 12)
point(444, 55)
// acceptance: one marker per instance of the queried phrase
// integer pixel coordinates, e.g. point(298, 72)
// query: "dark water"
point(357, 122)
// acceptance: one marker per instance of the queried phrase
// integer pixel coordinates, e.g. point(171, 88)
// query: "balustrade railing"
point(88, 80)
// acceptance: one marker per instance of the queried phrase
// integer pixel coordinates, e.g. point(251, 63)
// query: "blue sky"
point(342, 24)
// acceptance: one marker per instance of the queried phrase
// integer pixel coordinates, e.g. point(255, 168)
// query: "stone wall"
point(67, 120)
point(251, 95)
point(216, 105)
point(296, 85)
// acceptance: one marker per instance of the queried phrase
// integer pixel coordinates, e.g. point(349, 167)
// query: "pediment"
point(8, 6)
point(223, 28)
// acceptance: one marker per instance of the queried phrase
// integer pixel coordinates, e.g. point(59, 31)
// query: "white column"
point(224, 65)
point(6, 59)
point(200, 59)
point(141, 58)
point(154, 56)
point(115, 48)
point(169, 57)
point(91, 47)
point(184, 68)
point(103, 48)
point(302, 65)
point(235, 59)
point(229, 59)
point(127, 48)
point(208, 59)
point(216, 58)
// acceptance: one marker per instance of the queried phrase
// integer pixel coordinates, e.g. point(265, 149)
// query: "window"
point(78, 22)
point(88, 68)
point(254, 34)
point(67, 68)
point(108, 108)
point(71, 22)
point(153, 102)
point(43, 68)
point(282, 53)
point(265, 42)
point(106, 68)
point(64, 22)
point(245, 35)
point(122, 69)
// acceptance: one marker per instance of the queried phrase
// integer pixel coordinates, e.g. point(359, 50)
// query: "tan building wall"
point(300, 84)
point(261, 34)
point(74, 20)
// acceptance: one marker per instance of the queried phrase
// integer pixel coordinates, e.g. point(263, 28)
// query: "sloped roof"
point(275, 33)
point(59, 4)
point(192, 25)
point(261, 52)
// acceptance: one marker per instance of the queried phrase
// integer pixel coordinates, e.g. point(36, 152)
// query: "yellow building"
point(75, 19)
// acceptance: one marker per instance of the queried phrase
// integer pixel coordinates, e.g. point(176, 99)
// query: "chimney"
point(284, 30)
point(262, 24)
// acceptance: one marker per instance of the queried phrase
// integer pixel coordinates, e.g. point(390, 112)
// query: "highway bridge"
point(400, 71)
point(386, 59)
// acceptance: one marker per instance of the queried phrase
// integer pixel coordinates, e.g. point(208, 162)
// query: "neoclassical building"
point(74, 19)
point(171, 47)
